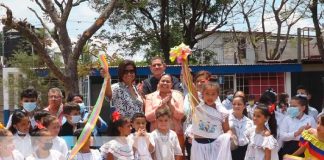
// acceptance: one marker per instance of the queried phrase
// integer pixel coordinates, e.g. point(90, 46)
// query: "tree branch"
point(52, 12)
point(60, 5)
point(67, 10)
point(40, 6)
point(78, 2)
point(147, 14)
point(24, 28)
point(92, 29)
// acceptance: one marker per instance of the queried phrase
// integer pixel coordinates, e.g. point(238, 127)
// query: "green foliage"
point(141, 26)
point(34, 72)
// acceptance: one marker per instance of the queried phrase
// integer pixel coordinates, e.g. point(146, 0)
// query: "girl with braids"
point(262, 144)
point(120, 148)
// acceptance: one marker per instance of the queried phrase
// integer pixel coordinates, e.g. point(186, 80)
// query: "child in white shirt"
point(85, 152)
point(53, 125)
point(7, 147)
point(167, 146)
point(43, 141)
point(209, 124)
point(120, 147)
point(142, 142)
point(20, 127)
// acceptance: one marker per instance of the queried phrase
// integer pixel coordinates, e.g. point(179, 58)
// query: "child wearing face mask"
point(28, 102)
point(53, 125)
point(292, 126)
point(72, 115)
point(7, 147)
point(20, 128)
point(228, 101)
point(311, 142)
point(44, 143)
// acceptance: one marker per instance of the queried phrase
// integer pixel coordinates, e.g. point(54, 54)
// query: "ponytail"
point(268, 112)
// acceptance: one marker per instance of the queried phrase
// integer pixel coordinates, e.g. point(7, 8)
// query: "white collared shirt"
point(289, 126)
point(240, 127)
point(23, 144)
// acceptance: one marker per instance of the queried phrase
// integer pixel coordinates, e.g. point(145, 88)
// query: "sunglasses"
point(130, 71)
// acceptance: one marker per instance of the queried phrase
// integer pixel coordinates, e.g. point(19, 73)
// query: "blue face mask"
point(82, 107)
point(76, 119)
point(29, 106)
point(230, 97)
point(293, 112)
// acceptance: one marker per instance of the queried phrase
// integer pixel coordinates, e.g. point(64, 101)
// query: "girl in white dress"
point(262, 144)
point(43, 142)
point(209, 124)
point(120, 148)
point(53, 125)
point(7, 147)
point(239, 124)
point(20, 127)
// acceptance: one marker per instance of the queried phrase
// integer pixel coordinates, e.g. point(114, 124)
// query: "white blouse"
point(207, 121)
point(23, 144)
point(141, 150)
point(120, 150)
point(289, 126)
point(240, 128)
point(257, 145)
point(166, 146)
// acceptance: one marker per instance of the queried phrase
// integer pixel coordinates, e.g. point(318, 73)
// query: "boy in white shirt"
point(166, 141)
point(142, 143)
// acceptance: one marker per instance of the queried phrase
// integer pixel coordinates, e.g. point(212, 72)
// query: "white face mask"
point(29, 106)
point(76, 119)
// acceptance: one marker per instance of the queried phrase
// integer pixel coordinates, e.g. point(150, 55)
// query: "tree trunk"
point(71, 82)
point(319, 38)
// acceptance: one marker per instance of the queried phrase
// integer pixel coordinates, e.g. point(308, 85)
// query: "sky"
point(80, 19)
point(82, 16)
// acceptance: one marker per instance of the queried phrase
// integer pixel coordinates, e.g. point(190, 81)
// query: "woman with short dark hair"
point(125, 97)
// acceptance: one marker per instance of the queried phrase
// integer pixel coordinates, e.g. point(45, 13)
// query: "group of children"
point(213, 132)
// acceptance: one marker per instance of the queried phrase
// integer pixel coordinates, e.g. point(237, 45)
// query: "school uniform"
point(23, 144)
point(288, 127)
point(239, 128)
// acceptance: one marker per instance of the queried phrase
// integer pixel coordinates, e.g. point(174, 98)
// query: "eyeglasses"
point(129, 71)
point(54, 97)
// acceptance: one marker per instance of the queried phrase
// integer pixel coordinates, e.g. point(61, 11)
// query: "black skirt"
point(288, 147)
point(239, 153)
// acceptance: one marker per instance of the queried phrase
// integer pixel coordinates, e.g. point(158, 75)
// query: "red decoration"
point(272, 108)
point(39, 126)
point(115, 116)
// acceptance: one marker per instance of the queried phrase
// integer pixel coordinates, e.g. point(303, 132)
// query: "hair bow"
point(115, 116)
point(40, 126)
point(272, 108)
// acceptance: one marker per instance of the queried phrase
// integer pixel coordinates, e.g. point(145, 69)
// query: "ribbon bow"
point(272, 108)
point(115, 116)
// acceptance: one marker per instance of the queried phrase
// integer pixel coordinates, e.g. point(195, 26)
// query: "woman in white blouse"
point(125, 97)
point(296, 121)
point(239, 124)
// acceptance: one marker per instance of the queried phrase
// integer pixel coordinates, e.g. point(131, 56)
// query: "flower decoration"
point(180, 53)
point(115, 116)
point(39, 126)
point(272, 108)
